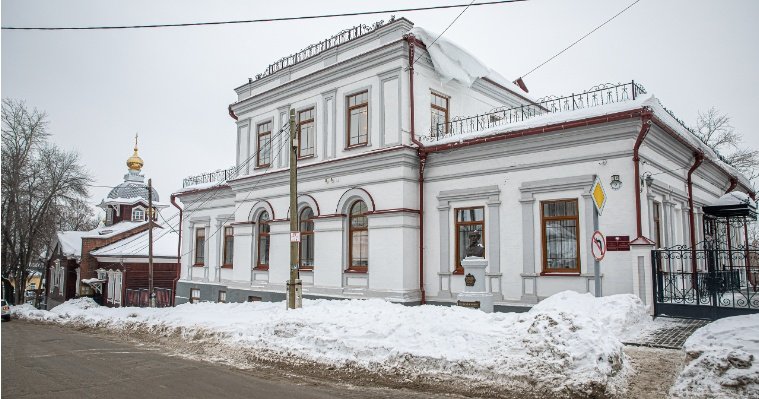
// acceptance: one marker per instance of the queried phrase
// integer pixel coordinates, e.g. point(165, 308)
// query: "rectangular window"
point(229, 245)
point(306, 133)
point(560, 229)
point(439, 110)
point(222, 296)
point(358, 119)
point(263, 132)
point(470, 233)
point(657, 225)
point(194, 295)
point(200, 246)
point(252, 298)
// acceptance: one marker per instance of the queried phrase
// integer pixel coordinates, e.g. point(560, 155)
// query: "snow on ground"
point(723, 360)
point(567, 345)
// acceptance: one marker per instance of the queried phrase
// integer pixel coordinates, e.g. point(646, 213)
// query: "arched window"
point(358, 238)
point(263, 241)
point(306, 239)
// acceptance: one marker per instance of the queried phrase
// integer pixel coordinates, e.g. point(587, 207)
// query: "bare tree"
point(41, 184)
point(715, 130)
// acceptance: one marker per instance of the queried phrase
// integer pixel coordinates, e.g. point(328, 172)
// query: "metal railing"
point(603, 94)
point(317, 48)
point(215, 176)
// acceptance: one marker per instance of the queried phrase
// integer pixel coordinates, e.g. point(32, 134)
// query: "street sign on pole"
point(599, 196)
point(598, 246)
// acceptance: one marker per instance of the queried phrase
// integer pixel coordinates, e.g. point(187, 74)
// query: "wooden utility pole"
point(294, 288)
point(150, 242)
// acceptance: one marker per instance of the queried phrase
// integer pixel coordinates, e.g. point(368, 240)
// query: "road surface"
point(47, 361)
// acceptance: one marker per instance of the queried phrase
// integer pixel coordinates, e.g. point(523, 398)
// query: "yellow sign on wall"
point(599, 195)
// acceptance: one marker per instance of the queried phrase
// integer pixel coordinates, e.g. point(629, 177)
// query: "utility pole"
point(294, 287)
point(150, 242)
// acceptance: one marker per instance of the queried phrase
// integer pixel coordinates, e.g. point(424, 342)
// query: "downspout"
point(645, 127)
point(179, 249)
point(733, 184)
point(699, 159)
point(231, 113)
point(410, 39)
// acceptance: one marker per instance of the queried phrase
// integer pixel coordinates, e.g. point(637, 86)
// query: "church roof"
point(132, 189)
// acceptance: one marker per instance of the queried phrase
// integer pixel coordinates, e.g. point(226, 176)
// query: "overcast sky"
point(173, 85)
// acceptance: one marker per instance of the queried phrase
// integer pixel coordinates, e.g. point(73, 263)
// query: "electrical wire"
point(206, 196)
point(250, 21)
point(445, 30)
point(580, 39)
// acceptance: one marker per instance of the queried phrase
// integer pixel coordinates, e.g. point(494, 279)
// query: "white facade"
point(508, 178)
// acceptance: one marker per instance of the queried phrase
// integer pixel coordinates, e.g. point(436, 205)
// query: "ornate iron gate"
point(718, 278)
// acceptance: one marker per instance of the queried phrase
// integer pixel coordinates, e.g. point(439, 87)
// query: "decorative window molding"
point(306, 127)
point(194, 295)
point(138, 214)
point(358, 238)
point(200, 246)
point(467, 221)
point(263, 144)
point(228, 247)
point(263, 241)
point(306, 227)
point(560, 236)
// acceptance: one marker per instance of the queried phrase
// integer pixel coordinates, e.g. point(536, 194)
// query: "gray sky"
point(173, 85)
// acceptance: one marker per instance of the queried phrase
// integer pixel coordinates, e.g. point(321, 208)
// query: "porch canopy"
point(732, 204)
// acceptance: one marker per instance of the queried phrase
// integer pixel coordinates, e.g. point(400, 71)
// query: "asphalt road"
point(47, 361)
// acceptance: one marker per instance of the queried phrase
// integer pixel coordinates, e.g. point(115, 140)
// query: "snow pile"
point(453, 62)
point(563, 347)
point(723, 360)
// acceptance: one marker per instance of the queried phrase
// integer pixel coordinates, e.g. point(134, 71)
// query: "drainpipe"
point(698, 160)
point(733, 184)
point(645, 127)
point(232, 113)
point(179, 248)
point(410, 39)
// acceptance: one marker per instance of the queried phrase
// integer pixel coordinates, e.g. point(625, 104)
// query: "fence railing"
point(597, 95)
point(215, 176)
point(141, 297)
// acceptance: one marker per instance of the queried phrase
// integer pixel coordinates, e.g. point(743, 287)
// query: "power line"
point(250, 21)
point(580, 39)
point(446, 29)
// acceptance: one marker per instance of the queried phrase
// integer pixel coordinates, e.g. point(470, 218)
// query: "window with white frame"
point(222, 296)
point(138, 215)
point(194, 295)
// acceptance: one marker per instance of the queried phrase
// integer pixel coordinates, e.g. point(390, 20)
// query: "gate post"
point(642, 271)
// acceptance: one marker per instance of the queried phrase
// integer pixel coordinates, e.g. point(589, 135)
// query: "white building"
point(390, 157)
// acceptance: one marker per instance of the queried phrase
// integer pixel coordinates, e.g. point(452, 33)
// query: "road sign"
point(295, 236)
point(599, 195)
point(598, 245)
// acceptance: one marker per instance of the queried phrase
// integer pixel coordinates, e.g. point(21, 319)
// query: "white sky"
point(173, 85)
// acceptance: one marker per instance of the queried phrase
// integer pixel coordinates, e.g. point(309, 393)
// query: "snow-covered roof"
point(202, 186)
point(130, 201)
point(553, 118)
point(451, 61)
point(732, 198)
point(165, 241)
point(71, 242)
point(112, 230)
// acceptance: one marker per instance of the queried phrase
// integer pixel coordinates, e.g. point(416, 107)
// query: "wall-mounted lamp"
point(615, 184)
point(647, 178)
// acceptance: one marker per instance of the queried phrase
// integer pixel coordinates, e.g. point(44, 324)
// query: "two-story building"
point(406, 144)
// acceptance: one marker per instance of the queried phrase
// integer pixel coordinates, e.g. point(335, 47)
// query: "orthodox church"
point(111, 262)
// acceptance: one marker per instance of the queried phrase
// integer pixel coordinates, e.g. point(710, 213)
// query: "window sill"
point(261, 268)
point(306, 269)
point(199, 265)
point(307, 157)
point(352, 147)
point(568, 273)
point(357, 271)
point(226, 266)
point(257, 167)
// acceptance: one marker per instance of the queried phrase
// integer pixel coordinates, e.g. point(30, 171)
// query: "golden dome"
point(135, 162)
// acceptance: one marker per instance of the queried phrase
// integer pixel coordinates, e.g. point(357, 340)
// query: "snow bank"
point(566, 346)
point(723, 360)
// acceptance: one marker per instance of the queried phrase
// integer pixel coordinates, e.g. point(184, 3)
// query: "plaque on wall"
point(469, 280)
point(469, 304)
point(617, 243)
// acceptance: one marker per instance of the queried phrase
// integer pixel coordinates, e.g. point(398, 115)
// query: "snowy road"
point(47, 361)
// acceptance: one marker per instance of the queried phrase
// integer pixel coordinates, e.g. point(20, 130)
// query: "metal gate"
point(706, 282)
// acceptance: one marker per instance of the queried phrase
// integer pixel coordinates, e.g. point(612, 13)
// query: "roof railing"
point(215, 176)
point(597, 95)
